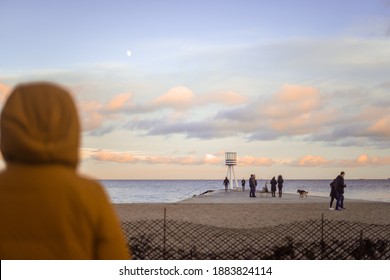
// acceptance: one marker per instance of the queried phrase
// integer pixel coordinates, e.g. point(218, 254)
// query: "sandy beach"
point(230, 225)
point(237, 210)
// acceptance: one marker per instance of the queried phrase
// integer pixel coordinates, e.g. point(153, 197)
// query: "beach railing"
point(197, 191)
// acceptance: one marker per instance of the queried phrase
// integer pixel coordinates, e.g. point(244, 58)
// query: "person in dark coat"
point(273, 186)
point(252, 185)
point(243, 184)
point(332, 194)
point(339, 186)
point(226, 183)
point(280, 185)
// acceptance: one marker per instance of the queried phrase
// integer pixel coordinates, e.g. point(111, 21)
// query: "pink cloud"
point(93, 113)
point(208, 159)
point(113, 156)
point(156, 160)
point(381, 126)
point(311, 161)
point(296, 93)
point(119, 101)
point(90, 115)
point(126, 157)
point(320, 161)
point(295, 109)
point(365, 160)
point(212, 159)
point(179, 98)
point(187, 160)
point(293, 99)
point(256, 161)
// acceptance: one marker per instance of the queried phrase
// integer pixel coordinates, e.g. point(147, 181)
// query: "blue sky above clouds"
point(299, 88)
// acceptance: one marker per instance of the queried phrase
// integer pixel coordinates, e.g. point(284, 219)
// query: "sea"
point(171, 191)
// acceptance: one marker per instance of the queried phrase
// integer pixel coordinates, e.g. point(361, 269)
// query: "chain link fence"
point(314, 239)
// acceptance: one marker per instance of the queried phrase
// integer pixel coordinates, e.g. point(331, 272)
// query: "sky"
point(299, 88)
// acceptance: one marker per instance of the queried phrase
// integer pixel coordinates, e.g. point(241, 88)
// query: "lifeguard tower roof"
point(231, 158)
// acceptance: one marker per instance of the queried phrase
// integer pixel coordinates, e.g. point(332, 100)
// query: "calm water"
point(166, 191)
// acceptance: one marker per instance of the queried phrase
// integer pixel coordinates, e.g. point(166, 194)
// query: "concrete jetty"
point(239, 196)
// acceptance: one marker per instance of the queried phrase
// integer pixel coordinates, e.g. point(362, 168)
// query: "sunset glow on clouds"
point(125, 157)
point(305, 95)
point(210, 159)
point(178, 98)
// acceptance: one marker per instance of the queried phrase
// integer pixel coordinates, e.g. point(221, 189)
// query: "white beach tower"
point(231, 161)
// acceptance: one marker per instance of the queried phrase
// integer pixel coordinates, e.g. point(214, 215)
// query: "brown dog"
point(302, 193)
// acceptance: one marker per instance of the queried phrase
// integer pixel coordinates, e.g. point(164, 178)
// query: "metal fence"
point(314, 239)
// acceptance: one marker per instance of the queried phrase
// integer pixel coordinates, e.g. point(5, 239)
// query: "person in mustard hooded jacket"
point(48, 210)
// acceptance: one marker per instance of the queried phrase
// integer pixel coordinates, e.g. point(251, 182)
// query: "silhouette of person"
point(273, 186)
point(339, 187)
point(333, 194)
point(243, 184)
point(280, 185)
point(48, 210)
point(252, 185)
point(226, 183)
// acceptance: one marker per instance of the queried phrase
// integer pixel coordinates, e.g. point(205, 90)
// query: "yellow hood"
point(39, 125)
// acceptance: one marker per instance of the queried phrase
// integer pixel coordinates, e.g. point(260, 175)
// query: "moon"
point(128, 53)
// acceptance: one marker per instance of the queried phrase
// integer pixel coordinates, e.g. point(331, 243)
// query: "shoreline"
point(174, 192)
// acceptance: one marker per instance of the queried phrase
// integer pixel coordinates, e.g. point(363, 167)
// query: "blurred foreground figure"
point(47, 210)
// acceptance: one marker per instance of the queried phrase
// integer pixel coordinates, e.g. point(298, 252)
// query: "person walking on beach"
point(47, 210)
point(280, 185)
point(339, 186)
point(226, 183)
point(252, 185)
point(273, 186)
point(332, 194)
point(243, 184)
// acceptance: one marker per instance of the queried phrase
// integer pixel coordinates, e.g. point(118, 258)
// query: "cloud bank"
point(295, 112)
point(348, 117)
point(311, 161)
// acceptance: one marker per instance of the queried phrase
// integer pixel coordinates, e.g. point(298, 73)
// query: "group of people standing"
point(278, 183)
point(253, 184)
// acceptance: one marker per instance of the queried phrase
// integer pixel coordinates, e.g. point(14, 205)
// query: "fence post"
point(322, 228)
point(361, 247)
point(322, 237)
point(164, 234)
